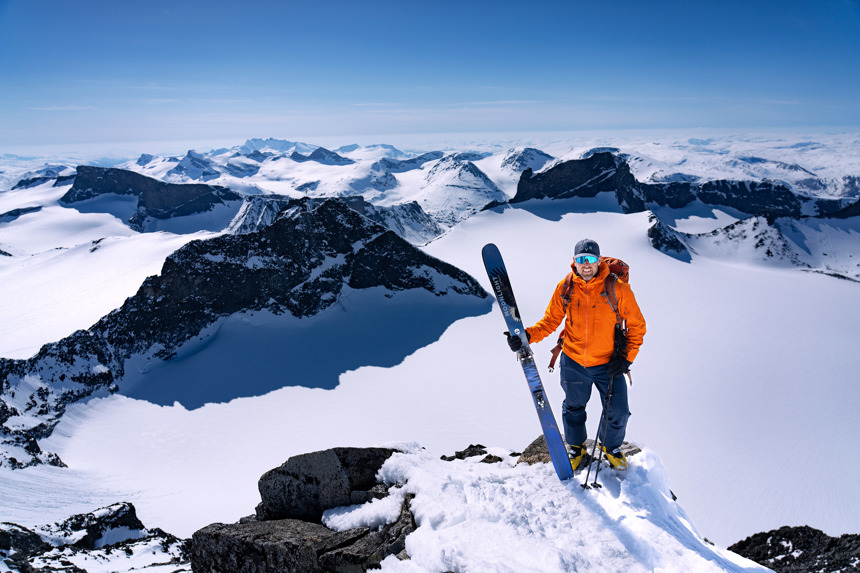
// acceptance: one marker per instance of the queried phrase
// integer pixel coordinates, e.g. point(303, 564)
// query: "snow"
point(473, 516)
point(745, 386)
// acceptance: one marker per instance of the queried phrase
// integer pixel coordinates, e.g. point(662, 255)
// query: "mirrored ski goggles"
point(590, 259)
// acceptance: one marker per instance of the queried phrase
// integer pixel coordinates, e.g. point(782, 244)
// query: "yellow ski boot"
point(616, 458)
point(575, 453)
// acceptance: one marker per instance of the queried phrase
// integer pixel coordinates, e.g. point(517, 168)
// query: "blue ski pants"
point(576, 380)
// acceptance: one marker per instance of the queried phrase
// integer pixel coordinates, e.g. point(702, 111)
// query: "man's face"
point(587, 270)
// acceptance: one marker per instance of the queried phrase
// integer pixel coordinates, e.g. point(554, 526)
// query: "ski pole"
point(593, 450)
point(604, 421)
point(605, 424)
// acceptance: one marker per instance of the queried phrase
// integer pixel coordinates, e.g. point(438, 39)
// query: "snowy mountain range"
point(207, 289)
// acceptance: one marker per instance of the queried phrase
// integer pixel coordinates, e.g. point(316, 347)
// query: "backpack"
point(618, 269)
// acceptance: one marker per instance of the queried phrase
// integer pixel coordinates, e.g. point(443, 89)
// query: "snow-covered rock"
point(471, 511)
point(108, 539)
point(194, 167)
point(456, 189)
point(518, 160)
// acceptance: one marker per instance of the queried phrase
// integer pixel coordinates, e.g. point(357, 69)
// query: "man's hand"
point(515, 342)
point(617, 366)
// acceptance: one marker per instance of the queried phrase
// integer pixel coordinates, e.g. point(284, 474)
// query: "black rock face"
point(801, 549)
point(600, 172)
point(667, 240)
point(605, 172)
point(155, 198)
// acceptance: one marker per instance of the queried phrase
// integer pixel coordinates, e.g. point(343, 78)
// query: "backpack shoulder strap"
point(611, 297)
point(566, 290)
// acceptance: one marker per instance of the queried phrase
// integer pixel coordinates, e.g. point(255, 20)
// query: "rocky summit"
point(299, 265)
point(286, 533)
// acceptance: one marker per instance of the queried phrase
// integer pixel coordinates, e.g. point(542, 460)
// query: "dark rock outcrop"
point(10, 216)
point(801, 549)
point(852, 210)
point(667, 240)
point(607, 172)
point(155, 199)
point(286, 535)
point(307, 485)
point(598, 173)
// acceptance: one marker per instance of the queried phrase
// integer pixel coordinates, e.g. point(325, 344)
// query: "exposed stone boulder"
point(472, 451)
point(292, 545)
point(801, 549)
point(307, 485)
point(286, 534)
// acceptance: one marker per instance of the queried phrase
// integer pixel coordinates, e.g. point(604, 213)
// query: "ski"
point(505, 296)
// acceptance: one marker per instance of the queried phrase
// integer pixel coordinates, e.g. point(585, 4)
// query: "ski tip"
point(489, 247)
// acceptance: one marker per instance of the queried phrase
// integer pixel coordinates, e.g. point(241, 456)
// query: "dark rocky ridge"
point(604, 171)
point(155, 198)
point(322, 155)
point(299, 265)
point(99, 535)
point(59, 180)
point(801, 549)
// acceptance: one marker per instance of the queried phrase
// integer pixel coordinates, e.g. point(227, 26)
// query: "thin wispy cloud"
point(61, 108)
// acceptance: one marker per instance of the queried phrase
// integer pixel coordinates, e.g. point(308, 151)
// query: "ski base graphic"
point(507, 303)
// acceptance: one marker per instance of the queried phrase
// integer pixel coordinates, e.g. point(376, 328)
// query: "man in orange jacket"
point(587, 355)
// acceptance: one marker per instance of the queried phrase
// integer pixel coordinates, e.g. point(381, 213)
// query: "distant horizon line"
point(180, 146)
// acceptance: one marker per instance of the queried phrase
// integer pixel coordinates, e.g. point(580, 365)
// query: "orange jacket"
point(590, 327)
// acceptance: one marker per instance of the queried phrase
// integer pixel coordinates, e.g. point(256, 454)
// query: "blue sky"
point(106, 71)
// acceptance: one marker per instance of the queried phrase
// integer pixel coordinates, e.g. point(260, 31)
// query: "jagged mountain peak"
point(194, 166)
point(520, 159)
point(275, 145)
